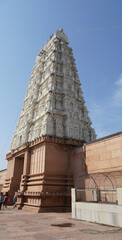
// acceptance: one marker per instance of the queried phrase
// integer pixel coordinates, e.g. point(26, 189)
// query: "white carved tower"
point(54, 103)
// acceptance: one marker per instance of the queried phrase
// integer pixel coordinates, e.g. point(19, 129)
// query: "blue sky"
point(94, 30)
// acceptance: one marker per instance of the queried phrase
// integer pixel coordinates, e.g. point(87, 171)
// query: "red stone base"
point(42, 175)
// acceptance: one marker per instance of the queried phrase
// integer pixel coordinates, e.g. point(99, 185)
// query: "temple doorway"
point(18, 171)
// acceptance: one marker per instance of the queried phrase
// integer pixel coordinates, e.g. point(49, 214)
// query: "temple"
point(53, 121)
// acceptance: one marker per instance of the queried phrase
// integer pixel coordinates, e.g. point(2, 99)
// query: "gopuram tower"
point(53, 120)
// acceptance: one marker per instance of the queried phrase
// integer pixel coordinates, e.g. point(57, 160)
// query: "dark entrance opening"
point(16, 179)
point(18, 171)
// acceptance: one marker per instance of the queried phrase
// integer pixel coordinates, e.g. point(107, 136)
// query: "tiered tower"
point(54, 103)
point(53, 120)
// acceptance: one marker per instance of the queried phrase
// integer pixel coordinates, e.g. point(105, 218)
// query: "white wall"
point(109, 214)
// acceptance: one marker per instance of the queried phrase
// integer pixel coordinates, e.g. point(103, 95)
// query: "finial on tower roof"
point(61, 29)
point(61, 35)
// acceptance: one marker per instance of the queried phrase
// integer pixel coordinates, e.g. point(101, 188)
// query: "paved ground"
point(21, 225)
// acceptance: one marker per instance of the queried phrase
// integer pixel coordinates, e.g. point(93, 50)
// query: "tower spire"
point(54, 103)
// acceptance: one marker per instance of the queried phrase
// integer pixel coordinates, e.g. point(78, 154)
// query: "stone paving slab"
point(22, 225)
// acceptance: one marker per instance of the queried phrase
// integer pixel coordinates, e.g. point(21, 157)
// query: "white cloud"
point(98, 117)
point(99, 29)
point(105, 119)
point(100, 132)
point(119, 81)
point(117, 98)
point(106, 114)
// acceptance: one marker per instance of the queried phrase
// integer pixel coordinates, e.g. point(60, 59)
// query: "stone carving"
point(54, 103)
